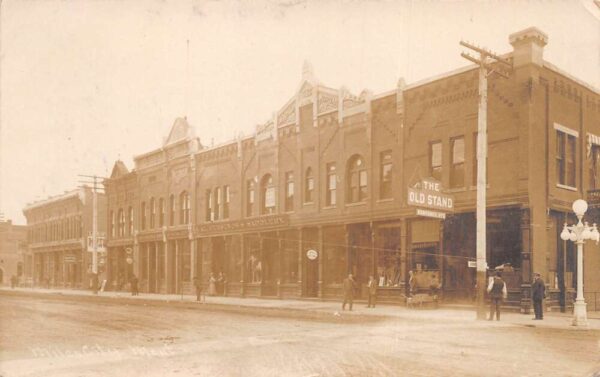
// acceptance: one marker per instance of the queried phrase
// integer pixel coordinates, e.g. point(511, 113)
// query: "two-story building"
point(15, 259)
point(322, 189)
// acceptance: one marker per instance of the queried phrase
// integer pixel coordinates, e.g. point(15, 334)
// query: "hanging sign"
point(428, 194)
point(312, 254)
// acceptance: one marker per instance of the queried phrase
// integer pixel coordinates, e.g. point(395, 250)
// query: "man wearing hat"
point(538, 294)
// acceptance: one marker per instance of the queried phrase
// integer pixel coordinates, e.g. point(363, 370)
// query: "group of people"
point(133, 284)
point(497, 291)
point(349, 287)
point(216, 286)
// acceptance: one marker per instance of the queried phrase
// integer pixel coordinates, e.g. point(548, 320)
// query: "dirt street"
point(54, 336)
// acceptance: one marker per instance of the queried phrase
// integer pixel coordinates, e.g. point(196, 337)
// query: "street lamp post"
point(579, 233)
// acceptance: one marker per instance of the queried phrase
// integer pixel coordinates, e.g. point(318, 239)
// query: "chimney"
point(528, 46)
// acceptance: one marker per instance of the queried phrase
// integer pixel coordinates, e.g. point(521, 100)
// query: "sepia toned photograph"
point(299, 188)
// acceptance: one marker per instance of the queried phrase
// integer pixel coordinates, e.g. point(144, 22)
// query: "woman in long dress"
point(212, 285)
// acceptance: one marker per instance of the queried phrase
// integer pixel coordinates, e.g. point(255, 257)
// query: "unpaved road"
point(54, 336)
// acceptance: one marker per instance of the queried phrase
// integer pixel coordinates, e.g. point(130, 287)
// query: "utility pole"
point(485, 60)
point(95, 181)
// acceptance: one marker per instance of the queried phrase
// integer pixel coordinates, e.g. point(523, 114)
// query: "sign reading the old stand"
point(428, 194)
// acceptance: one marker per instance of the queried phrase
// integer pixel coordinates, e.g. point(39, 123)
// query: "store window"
point(435, 160)
point(267, 190)
point(331, 192)
point(457, 172)
point(309, 186)
point(385, 175)
point(356, 180)
point(289, 191)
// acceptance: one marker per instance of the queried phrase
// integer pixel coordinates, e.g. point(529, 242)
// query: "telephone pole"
point(484, 61)
point(94, 181)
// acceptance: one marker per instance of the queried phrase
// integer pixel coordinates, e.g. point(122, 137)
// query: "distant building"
point(14, 257)
point(331, 185)
point(57, 232)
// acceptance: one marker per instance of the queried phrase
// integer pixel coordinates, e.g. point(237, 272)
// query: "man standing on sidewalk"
point(497, 290)
point(348, 286)
point(538, 294)
point(372, 285)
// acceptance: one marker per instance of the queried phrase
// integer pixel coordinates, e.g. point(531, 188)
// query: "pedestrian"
point(198, 286)
point(212, 285)
point(133, 282)
point(13, 281)
point(411, 283)
point(220, 284)
point(348, 287)
point(372, 285)
point(538, 294)
point(497, 290)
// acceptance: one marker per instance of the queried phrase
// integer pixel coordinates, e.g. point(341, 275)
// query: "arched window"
point(130, 221)
point(171, 210)
point(143, 215)
point(121, 223)
point(267, 193)
point(184, 208)
point(356, 180)
point(161, 212)
point(152, 212)
point(309, 186)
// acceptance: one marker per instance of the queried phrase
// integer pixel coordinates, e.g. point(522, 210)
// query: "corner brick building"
point(320, 190)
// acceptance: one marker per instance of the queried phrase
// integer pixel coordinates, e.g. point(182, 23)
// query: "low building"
point(58, 232)
point(15, 260)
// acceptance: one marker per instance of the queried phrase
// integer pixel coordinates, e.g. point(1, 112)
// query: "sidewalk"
point(551, 319)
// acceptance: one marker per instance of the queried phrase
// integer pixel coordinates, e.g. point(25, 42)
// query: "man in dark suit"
point(498, 292)
point(538, 294)
point(372, 285)
point(348, 287)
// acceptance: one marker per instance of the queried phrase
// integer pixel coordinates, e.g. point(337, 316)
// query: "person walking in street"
point(212, 285)
point(538, 294)
point(348, 288)
point(372, 285)
point(497, 290)
point(198, 286)
point(134, 285)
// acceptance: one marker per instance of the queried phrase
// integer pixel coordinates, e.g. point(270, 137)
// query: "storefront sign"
point(428, 194)
point(249, 224)
point(312, 254)
point(428, 213)
point(472, 264)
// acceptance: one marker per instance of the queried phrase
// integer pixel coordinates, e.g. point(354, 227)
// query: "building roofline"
point(54, 199)
point(554, 68)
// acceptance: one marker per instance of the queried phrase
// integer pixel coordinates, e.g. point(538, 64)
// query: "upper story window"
point(112, 223)
point(217, 201)
point(435, 160)
point(226, 202)
point(565, 156)
point(331, 191)
point(356, 180)
point(457, 172)
point(184, 208)
point(289, 191)
point(595, 167)
point(208, 205)
point(130, 221)
point(161, 212)
point(385, 175)
point(152, 213)
point(267, 191)
point(309, 186)
point(143, 215)
point(121, 222)
point(172, 210)
point(250, 197)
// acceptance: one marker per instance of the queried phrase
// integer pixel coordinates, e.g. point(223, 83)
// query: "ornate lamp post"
point(579, 234)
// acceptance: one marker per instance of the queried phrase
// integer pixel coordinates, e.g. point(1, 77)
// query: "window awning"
point(592, 140)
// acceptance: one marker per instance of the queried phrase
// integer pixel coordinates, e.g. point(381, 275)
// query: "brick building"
point(57, 234)
point(328, 177)
point(14, 257)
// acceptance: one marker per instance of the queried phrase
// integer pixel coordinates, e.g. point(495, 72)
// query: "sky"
point(84, 83)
